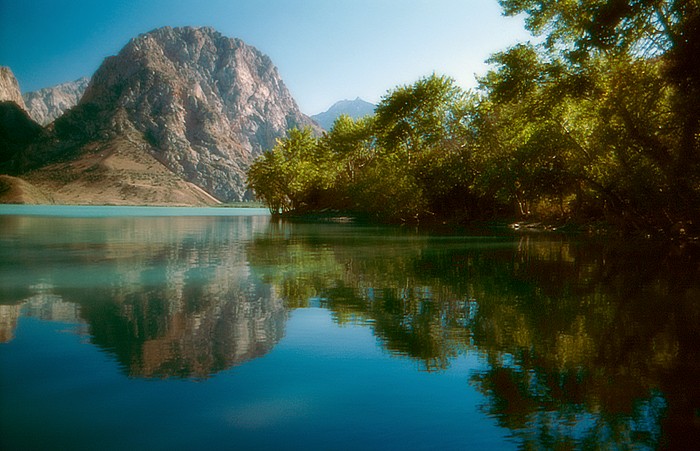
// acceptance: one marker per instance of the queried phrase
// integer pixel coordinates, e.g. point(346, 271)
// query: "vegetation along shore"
point(598, 122)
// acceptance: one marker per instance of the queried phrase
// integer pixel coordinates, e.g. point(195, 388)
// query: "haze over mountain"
point(354, 108)
point(45, 105)
point(178, 115)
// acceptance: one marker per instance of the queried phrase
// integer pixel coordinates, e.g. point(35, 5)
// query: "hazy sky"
point(325, 50)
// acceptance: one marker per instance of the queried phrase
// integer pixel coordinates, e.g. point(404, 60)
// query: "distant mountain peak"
point(354, 108)
point(47, 104)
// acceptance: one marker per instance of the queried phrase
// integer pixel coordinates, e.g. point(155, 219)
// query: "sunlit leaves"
point(288, 174)
point(596, 123)
point(403, 164)
point(620, 26)
point(418, 116)
point(518, 72)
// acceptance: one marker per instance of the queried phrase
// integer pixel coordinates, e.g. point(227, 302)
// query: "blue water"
point(142, 328)
point(322, 387)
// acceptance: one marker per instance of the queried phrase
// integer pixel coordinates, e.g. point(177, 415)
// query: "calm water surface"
point(142, 328)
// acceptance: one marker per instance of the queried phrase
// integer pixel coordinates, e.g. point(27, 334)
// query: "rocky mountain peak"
point(9, 87)
point(45, 105)
point(207, 104)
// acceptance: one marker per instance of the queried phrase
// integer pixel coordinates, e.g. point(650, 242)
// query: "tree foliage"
point(292, 173)
point(601, 121)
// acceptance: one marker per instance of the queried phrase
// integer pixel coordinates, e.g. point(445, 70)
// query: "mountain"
point(354, 108)
point(206, 105)
point(176, 117)
point(17, 130)
point(47, 104)
point(9, 87)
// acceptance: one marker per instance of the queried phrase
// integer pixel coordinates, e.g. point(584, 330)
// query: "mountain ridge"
point(9, 88)
point(199, 104)
point(356, 109)
point(47, 104)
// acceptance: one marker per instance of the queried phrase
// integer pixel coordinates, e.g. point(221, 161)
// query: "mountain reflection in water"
point(584, 344)
point(167, 296)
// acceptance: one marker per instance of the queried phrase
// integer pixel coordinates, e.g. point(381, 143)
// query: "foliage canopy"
point(599, 122)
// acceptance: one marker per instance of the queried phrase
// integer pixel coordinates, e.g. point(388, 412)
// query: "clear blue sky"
point(325, 50)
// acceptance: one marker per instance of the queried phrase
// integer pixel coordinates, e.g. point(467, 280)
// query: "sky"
point(325, 50)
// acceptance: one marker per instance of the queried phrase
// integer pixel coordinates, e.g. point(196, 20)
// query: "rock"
point(45, 105)
point(116, 172)
point(17, 132)
point(207, 105)
point(9, 87)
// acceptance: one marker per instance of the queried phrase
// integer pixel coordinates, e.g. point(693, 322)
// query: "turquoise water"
point(148, 328)
point(82, 211)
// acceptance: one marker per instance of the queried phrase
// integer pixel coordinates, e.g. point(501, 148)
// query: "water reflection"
point(586, 344)
point(166, 296)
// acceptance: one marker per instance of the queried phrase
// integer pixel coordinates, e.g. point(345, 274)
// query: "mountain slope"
point(354, 108)
point(175, 118)
point(17, 131)
point(9, 87)
point(115, 172)
point(45, 105)
point(205, 105)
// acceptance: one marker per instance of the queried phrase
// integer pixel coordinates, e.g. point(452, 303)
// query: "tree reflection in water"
point(586, 343)
point(582, 343)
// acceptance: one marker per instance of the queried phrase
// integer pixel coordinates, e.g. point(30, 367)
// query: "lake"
point(157, 328)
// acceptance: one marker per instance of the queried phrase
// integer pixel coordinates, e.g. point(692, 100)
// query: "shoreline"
point(127, 210)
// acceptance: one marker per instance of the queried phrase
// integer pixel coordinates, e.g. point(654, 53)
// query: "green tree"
point(351, 147)
point(265, 179)
point(527, 156)
point(419, 132)
point(417, 117)
point(642, 27)
point(292, 174)
point(640, 55)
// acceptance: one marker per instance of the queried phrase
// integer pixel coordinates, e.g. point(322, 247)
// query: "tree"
point(264, 178)
point(527, 155)
point(420, 133)
point(624, 38)
point(290, 175)
point(642, 27)
point(352, 145)
point(417, 117)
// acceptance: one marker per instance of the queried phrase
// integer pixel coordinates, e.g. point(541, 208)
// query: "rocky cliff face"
point(206, 104)
point(45, 105)
point(9, 88)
